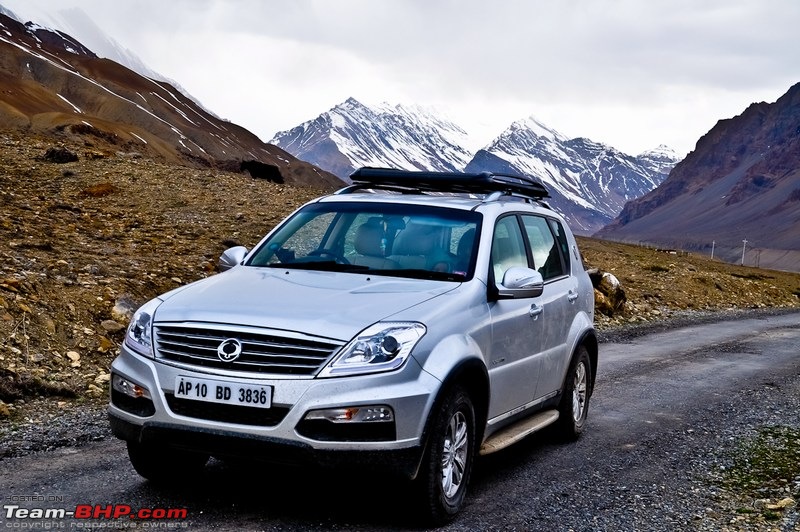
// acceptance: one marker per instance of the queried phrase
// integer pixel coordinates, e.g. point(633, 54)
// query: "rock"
point(123, 309)
point(4, 411)
point(111, 326)
point(781, 504)
point(60, 155)
point(611, 299)
point(75, 357)
point(100, 190)
point(94, 390)
point(49, 325)
point(102, 378)
point(105, 345)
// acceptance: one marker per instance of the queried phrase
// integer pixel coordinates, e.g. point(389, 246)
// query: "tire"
point(447, 464)
point(574, 405)
point(163, 464)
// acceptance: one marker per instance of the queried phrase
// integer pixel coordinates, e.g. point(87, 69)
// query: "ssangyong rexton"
point(409, 321)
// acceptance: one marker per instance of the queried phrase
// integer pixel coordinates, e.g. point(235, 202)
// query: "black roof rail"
point(460, 182)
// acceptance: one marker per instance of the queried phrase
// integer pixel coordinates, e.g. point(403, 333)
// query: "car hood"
point(328, 304)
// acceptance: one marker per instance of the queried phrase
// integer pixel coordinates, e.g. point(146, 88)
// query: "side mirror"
point(519, 282)
point(231, 257)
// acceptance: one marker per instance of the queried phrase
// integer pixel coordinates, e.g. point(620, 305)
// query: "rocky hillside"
point(84, 242)
point(52, 85)
point(742, 181)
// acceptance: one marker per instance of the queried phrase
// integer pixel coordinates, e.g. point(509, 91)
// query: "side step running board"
point(517, 431)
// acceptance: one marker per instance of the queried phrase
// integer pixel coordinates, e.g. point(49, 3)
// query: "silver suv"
point(409, 321)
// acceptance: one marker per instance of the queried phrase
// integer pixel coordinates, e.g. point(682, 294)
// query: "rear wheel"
point(574, 405)
point(446, 468)
point(164, 464)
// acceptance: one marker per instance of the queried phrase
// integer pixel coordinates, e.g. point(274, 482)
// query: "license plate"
point(224, 392)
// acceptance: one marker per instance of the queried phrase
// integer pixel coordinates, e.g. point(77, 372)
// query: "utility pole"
point(713, 242)
point(744, 245)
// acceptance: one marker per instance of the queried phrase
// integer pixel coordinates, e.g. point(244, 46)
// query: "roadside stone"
point(784, 503)
point(4, 410)
point(111, 326)
point(75, 358)
point(105, 345)
point(60, 155)
point(123, 309)
point(610, 298)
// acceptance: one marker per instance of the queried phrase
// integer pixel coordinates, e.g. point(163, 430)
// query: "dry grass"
point(78, 239)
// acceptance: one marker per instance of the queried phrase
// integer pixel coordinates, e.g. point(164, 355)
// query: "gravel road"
point(673, 404)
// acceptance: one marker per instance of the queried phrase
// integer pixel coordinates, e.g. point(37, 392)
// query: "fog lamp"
point(355, 414)
point(131, 389)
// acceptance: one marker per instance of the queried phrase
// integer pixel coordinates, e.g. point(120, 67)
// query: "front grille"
point(244, 415)
point(261, 352)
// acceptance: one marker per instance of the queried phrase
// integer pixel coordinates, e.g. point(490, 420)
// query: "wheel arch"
point(589, 341)
point(472, 375)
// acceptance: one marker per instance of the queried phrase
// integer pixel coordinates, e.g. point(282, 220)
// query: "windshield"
point(382, 239)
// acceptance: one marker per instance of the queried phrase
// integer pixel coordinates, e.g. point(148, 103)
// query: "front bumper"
point(225, 444)
point(277, 434)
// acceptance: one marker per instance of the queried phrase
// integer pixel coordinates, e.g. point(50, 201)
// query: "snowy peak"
point(532, 126)
point(54, 86)
point(589, 181)
point(352, 134)
point(75, 25)
point(662, 151)
point(660, 160)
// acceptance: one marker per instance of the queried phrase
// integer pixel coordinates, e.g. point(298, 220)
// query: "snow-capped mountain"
point(352, 135)
point(54, 86)
point(75, 23)
point(589, 182)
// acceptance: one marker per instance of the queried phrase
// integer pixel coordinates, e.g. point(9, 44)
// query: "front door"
point(517, 330)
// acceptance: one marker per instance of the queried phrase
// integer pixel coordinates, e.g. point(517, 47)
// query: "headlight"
point(381, 347)
point(139, 335)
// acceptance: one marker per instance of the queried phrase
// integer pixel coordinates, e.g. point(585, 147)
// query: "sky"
point(632, 74)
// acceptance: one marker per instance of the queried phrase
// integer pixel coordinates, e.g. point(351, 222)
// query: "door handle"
point(535, 311)
point(572, 295)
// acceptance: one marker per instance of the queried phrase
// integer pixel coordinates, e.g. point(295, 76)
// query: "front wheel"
point(574, 405)
point(447, 465)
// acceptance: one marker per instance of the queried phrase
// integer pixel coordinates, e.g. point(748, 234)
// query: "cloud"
point(626, 72)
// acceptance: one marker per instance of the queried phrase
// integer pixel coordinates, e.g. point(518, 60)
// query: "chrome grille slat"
point(286, 346)
point(262, 352)
point(275, 355)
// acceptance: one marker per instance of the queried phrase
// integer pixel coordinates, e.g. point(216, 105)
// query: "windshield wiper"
point(320, 265)
point(421, 274)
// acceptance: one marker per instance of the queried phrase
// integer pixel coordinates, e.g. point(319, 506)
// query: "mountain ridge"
point(352, 134)
point(742, 182)
point(589, 181)
point(52, 84)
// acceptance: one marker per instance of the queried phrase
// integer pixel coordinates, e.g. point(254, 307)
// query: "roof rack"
point(471, 183)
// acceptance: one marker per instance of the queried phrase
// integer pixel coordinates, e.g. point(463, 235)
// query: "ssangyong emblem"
point(229, 350)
